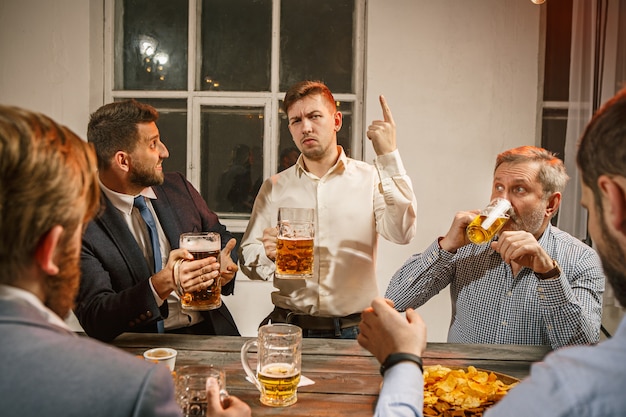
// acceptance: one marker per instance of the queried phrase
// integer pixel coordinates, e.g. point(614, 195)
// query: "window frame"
point(197, 98)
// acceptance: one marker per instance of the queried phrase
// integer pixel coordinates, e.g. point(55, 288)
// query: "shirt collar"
point(124, 202)
point(10, 293)
point(338, 167)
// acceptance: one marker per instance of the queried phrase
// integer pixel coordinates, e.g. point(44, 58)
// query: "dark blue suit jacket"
point(115, 294)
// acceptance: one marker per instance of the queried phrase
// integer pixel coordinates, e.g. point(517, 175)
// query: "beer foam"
point(200, 245)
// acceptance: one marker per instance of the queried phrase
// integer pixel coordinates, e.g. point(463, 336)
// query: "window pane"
point(236, 45)
point(558, 43)
point(231, 157)
point(153, 44)
point(172, 124)
point(325, 53)
point(553, 131)
point(344, 136)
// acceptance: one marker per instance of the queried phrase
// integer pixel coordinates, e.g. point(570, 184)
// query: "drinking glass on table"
point(201, 245)
point(294, 247)
point(279, 357)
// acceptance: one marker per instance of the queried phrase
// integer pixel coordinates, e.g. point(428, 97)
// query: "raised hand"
point(382, 133)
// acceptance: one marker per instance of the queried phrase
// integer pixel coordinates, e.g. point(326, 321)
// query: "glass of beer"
point(489, 222)
point(279, 356)
point(294, 248)
point(202, 245)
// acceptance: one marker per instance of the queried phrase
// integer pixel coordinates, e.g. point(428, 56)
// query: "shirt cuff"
point(389, 165)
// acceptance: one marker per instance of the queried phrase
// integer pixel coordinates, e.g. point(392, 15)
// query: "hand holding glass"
point(201, 245)
point(190, 387)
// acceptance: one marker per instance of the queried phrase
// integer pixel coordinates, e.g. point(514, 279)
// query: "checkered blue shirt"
point(489, 305)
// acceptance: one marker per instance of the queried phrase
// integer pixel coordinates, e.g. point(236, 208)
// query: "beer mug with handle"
point(294, 247)
point(489, 222)
point(279, 356)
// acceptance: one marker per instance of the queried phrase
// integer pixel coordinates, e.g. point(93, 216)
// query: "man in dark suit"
point(48, 191)
point(122, 290)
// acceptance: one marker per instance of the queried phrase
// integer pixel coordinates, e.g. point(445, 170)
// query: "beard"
point(530, 223)
point(145, 176)
point(612, 257)
point(61, 289)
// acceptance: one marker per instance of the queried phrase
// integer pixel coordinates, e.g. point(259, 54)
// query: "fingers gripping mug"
point(279, 356)
point(201, 245)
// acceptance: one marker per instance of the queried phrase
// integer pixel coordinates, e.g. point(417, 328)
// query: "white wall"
point(461, 77)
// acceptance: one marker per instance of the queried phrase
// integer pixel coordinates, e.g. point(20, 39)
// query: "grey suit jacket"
point(115, 294)
point(50, 371)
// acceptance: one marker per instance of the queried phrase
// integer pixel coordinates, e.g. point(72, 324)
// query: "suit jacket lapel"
point(116, 228)
point(165, 212)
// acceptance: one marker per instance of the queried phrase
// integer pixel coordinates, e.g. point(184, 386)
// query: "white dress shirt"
point(124, 203)
point(354, 202)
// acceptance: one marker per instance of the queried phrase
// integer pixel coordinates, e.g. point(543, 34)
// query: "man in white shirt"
point(353, 201)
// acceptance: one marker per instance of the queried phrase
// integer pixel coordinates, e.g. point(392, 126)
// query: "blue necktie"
point(146, 214)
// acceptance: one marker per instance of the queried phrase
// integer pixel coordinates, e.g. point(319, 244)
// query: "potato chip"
point(459, 392)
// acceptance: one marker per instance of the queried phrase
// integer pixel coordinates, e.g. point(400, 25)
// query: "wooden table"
point(346, 376)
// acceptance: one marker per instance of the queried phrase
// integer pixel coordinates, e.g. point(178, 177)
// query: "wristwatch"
point(396, 358)
point(554, 272)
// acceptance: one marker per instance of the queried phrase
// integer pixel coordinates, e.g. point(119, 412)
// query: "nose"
point(307, 126)
point(164, 153)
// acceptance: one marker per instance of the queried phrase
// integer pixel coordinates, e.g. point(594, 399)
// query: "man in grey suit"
point(48, 191)
point(122, 290)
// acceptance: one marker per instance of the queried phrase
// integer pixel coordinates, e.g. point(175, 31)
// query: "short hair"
point(551, 175)
point(48, 177)
point(602, 147)
point(113, 128)
point(307, 88)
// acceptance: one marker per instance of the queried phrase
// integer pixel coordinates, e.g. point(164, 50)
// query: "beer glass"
point(202, 245)
point(489, 222)
point(294, 248)
point(190, 388)
point(279, 356)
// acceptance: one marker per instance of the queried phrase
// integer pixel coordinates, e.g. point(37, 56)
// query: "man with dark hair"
point(48, 191)
point(127, 283)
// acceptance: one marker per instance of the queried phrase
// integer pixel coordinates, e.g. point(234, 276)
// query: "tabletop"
point(346, 377)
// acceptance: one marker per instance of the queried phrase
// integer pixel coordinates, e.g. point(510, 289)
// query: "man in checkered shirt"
point(532, 284)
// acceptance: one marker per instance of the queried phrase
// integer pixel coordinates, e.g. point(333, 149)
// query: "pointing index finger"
point(386, 110)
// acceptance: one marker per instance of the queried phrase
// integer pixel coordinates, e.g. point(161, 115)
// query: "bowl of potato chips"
point(462, 392)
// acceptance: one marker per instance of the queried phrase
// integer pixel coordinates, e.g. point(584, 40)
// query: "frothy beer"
point(201, 247)
point(489, 222)
point(294, 257)
point(279, 384)
point(478, 235)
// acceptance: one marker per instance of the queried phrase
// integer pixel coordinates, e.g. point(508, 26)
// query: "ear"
point(122, 161)
point(46, 248)
point(553, 204)
point(338, 121)
point(614, 201)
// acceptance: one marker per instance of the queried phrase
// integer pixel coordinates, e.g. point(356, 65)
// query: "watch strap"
point(554, 272)
point(396, 358)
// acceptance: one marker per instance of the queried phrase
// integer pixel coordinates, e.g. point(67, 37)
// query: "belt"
point(305, 321)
